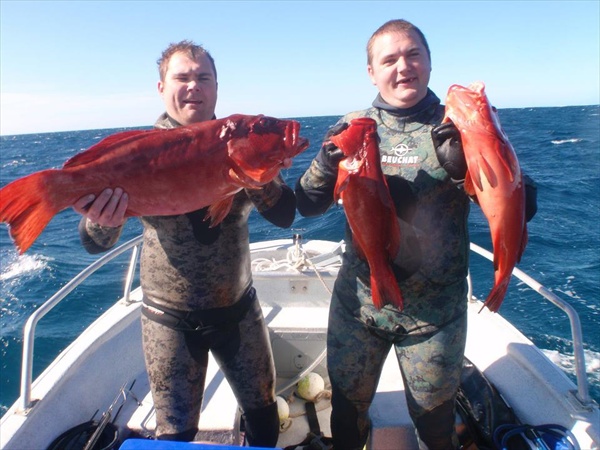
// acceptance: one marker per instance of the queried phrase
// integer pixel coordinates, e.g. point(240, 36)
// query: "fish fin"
point(239, 179)
point(497, 294)
point(468, 186)
point(488, 172)
point(385, 290)
point(506, 157)
point(218, 211)
point(99, 149)
point(26, 207)
point(340, 185)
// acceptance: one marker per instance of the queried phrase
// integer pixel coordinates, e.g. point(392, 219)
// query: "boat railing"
point(582, 394)
point(134, 244)
point(30, 325)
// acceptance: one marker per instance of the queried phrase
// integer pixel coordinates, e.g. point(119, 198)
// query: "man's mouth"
point(407, 80)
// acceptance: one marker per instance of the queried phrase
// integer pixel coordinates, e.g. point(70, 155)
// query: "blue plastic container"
point(147, 444)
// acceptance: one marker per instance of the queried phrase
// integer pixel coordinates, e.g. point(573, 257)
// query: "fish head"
point(467, 106)
point(354, 139)
point(259, 145)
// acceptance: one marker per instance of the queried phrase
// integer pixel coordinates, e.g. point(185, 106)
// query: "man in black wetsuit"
point(425, 166)
point(196, 280)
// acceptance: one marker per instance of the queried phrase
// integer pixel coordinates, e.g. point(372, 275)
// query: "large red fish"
point(164, 172)
point(369, 207)
point(494, 177)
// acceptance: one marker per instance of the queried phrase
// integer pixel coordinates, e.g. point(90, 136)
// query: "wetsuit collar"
point(429, 100)
point(165, 121)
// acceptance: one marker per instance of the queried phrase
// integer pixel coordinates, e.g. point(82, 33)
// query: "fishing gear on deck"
point(488, 421)
point(104, 421)
point(75, 438)
point(538, 437)
point(94, 435)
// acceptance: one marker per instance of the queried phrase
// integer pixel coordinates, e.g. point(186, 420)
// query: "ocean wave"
point(566, 362)
point(566, 141)
point(23, 265)
point(14, 163)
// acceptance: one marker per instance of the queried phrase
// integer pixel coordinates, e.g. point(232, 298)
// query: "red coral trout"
point(369, 207)
point(494, 177)
point(164, 172)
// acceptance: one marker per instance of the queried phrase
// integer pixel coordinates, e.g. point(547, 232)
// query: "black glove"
point(330, 156)
point(530, 197)
point(449, 151)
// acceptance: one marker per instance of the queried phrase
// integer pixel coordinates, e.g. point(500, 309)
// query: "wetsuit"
point(198, 296)
point(429, 334)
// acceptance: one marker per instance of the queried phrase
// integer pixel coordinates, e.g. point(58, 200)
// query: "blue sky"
point(74, 65)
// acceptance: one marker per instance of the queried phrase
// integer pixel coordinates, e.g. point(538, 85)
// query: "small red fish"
point(369, 207)
point(494, 177)
point(164, 172)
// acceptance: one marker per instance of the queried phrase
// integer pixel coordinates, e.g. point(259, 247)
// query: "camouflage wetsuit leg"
point(430, 365)
point(177, 360)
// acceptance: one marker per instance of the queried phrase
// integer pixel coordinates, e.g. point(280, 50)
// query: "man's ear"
point(370, 72)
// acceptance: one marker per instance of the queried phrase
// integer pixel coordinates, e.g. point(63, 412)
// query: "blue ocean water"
point(558, 147)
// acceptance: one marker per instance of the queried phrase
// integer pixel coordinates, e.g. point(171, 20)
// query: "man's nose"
point(401, 64)
point(194, 86)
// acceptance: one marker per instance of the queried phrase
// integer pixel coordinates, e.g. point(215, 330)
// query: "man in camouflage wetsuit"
point(196, 280)
point(423, 164)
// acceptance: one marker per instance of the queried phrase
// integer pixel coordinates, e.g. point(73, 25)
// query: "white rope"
point(296, 260)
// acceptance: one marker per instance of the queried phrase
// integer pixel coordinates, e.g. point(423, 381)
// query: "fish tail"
point(385, 290)
point(497, 294)
point(26, 207)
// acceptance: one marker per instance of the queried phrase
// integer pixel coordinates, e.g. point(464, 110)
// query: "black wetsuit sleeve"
point(276, 202)
point(314, 190)
point(282, 213)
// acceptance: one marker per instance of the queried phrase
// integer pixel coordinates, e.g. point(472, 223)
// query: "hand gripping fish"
point(369, 207)
point(494, 177)
point(164, 172)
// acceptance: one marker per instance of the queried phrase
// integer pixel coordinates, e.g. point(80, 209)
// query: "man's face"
point(400, 68)
point(189, 89)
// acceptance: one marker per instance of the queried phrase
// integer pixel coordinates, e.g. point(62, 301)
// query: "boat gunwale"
point(582, 393)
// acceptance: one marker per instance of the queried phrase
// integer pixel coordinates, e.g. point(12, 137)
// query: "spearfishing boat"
point(96, 394)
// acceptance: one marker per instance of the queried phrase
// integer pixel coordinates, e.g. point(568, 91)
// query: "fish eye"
point(264, 124)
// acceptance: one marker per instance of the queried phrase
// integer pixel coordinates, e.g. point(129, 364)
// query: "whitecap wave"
point(567, 141)
point(567, 362)
point(23, 265)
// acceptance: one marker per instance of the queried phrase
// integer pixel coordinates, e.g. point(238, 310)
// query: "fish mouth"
point(293, 140)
